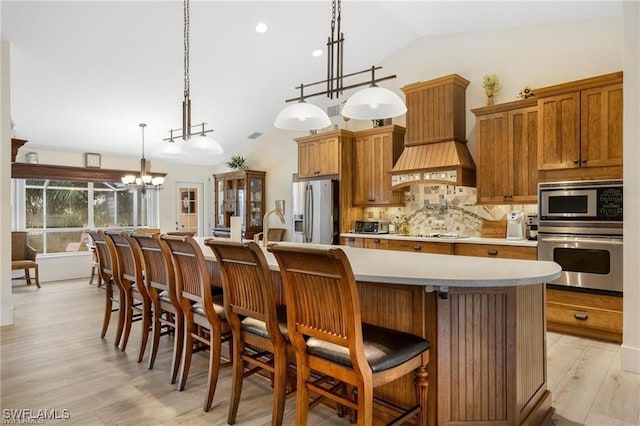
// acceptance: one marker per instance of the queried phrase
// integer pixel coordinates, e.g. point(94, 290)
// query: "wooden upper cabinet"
point(601, 126)
point(375, 152)
point(559, 131)
point(507, 137)
point(581, 128)
point(319, 157)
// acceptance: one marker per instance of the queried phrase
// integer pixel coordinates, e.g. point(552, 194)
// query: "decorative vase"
point(489, 100)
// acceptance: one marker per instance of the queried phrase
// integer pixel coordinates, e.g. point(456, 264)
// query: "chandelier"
point(145, 180)
point(195, 137)
point(371, 103)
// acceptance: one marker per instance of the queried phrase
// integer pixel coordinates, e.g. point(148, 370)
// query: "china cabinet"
point(239, 193)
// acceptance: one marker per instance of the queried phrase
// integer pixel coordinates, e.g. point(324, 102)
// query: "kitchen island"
point(485, 319)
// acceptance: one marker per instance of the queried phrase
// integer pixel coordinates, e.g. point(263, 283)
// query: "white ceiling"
point(85, 73)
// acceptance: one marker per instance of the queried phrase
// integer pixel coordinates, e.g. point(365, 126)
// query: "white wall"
point(6, 300)
point(631, 332)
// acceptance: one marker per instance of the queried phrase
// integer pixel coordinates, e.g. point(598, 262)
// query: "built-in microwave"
point(588, 205)
point(586, 200)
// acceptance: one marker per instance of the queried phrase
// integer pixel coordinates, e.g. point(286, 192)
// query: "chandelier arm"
point(340, 54)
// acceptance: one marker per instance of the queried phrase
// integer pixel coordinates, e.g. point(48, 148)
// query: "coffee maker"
point(516, 226)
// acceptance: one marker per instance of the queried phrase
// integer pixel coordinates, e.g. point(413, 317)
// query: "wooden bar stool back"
point(160, 281)
point(257, 323)
point(204, 319)
point(128, 274)
point(114, 294)
point(326, 330)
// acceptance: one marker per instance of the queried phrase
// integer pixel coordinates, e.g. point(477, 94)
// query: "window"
point(55, 213)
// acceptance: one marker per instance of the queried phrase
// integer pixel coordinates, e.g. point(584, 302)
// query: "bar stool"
point(200, 310)
point(258, 324)
point(325, 328)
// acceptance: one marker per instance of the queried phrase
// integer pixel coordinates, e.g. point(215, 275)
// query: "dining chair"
point(23, 256)
point(160, 281)
point(128, 274)
point(325, 328)
point(204, 318)
point(105, 271)
point(258, 324)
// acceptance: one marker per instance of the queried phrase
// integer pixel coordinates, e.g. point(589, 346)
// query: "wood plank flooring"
point(53, 358)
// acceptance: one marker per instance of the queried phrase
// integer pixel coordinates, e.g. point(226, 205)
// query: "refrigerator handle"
point(308, 206)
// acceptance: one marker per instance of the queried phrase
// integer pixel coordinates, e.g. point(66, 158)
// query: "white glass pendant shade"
point(158, 180)
point(171, 149)
point(374, 103)
point(203, 144)
point(146, 179)
point(302, 116)
point(128, 179)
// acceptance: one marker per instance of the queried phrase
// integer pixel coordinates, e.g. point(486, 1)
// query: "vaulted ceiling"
point(85, 73)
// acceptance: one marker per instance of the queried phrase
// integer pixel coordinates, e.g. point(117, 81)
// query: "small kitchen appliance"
point(516, 226)
point(371, 227)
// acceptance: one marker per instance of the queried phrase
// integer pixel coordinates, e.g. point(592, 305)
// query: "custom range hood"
point(435, 147)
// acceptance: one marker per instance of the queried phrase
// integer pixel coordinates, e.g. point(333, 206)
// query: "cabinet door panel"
point(328, 159)
point(559, 132)
point(307, 159)
point(381, 162)
point(493, 158)
point(361, 171)
point(601, 113)
point(523, 130)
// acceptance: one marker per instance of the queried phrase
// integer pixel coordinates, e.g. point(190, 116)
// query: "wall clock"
point(92, 160)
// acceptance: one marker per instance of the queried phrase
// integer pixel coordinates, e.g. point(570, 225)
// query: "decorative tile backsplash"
point(445, 208)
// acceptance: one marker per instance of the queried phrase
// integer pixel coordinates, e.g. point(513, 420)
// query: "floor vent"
point(254, 135)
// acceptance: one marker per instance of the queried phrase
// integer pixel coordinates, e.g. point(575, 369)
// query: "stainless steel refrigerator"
point(316, 212)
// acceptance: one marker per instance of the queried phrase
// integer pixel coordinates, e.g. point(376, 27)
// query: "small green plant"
point(237, 162)
point(491, 85)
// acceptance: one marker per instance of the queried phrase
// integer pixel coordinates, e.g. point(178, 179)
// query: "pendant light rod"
point(186, 132)
point(373, 81)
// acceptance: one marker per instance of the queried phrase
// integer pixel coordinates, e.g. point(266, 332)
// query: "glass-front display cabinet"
point(240, 193)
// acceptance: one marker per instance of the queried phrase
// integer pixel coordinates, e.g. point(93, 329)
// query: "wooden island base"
point(488, 354)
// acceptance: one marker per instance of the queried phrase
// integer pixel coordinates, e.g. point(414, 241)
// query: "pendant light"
point(302, 116)
point(374, 103)
point(196, 138)
point(145, 180)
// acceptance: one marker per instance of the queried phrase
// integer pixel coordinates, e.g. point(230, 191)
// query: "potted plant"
point(237, 162)
point(491, 86)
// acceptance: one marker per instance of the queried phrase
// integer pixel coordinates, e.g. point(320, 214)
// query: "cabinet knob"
point(576, 161)
point(376, 241)
point(581, 317)
point(492, 252)
point(584, 161)
point(417, 248)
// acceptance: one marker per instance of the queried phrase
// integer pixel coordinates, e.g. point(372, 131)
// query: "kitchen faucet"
point(265, 224)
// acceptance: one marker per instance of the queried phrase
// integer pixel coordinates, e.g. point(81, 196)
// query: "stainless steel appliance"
point(516, 226)
point(580, 228)
point(371, 227)
point(316, 212)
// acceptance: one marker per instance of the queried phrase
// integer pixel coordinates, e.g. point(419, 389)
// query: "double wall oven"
point(580, 228)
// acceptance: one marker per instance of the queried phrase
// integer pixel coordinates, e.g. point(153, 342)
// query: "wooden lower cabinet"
point(497, 251)
point(421, 246)
point(352, 242)
point(585, 314)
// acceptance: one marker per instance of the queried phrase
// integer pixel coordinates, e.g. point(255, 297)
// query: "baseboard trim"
point(630, 359)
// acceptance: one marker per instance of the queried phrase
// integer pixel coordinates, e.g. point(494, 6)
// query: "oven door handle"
point(615, 242)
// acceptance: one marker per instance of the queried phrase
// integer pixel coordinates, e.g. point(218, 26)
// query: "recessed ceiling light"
point(317, 53)
point(261, 27)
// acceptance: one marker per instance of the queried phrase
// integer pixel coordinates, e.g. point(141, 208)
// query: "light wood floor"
point(53, 358)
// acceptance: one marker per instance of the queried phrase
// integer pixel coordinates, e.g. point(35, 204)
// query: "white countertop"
point(433, 270)
point(464, 240)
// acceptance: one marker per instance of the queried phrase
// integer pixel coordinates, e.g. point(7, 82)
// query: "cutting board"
point(494, 229)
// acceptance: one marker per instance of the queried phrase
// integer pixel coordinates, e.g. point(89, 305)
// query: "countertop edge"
point(464, 240)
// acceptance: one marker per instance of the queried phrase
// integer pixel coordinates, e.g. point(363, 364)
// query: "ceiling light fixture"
point(261, 28)
point(371, 103)
point(195, 136)
point(317, 53)
point(145, 180)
